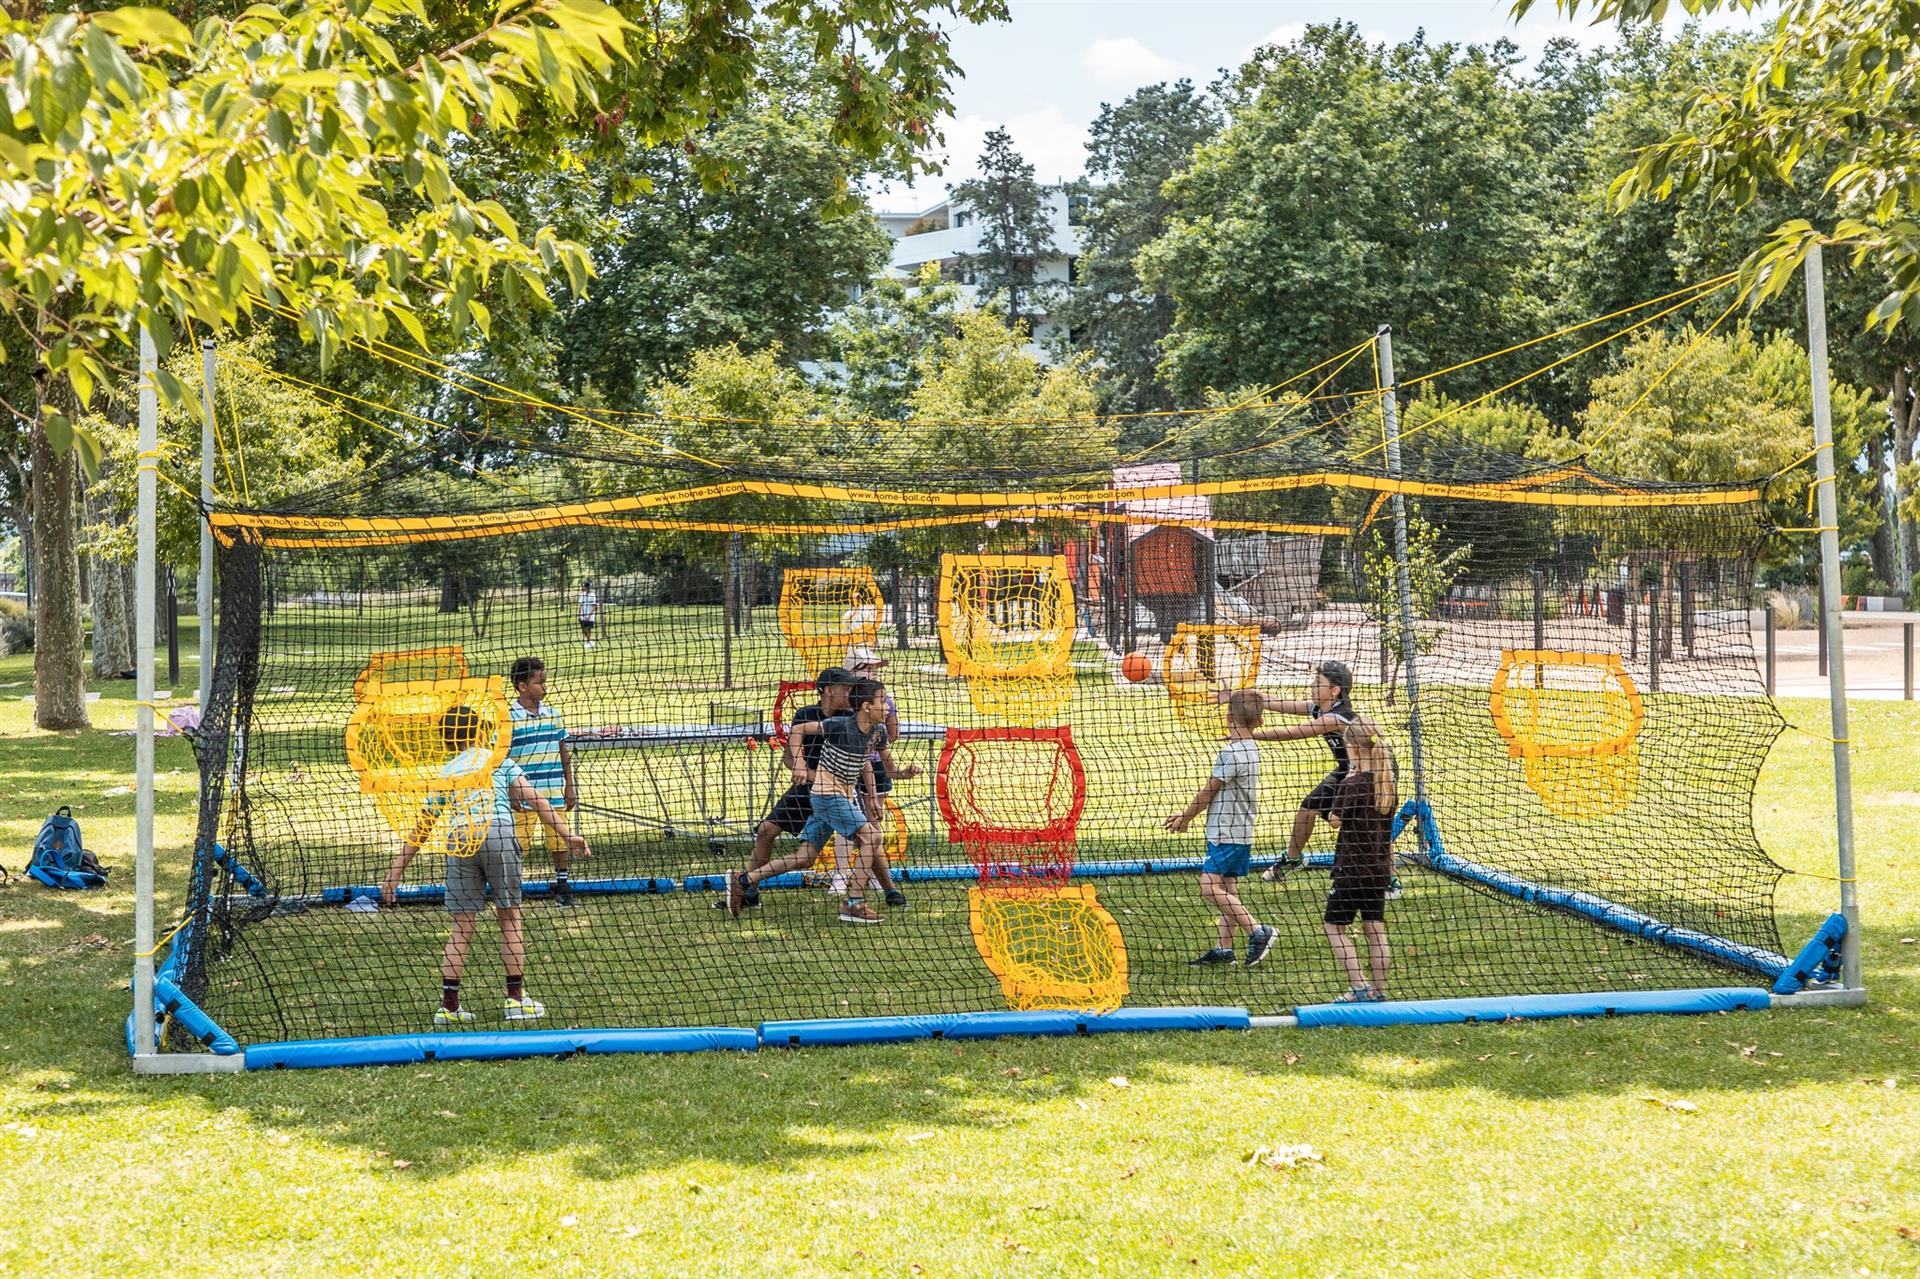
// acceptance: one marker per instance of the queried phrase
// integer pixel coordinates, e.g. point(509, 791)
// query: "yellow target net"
point(434, 792)
point(826, 611)
point(1051, 948)
point(1573, 721)
point(1202, 659)
point(1006, 625)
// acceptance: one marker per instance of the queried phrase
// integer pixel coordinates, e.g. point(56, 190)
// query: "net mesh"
point(1590, 719)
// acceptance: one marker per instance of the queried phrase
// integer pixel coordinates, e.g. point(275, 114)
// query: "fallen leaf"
point(569, 1221)
point(1284, 1158)
point(1908, 1233)
point(919, 1136)
point(1682, 1106)
point(403, 1163)
point(1128, 1174)
point(1011, 1072)
point(1119, 1081)
point(1291, 1059)
point(1910, 941)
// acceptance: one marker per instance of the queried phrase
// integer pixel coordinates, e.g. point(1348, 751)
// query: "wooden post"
point(1771, 647)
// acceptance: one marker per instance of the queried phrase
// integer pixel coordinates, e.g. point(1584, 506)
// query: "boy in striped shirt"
point(540, 749)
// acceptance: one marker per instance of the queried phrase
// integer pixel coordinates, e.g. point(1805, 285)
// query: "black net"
point(1590, 722)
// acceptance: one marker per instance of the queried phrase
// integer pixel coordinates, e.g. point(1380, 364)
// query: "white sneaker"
point(838, 888)
point(452, 1017)
point(589, 643)
point(525, 1009)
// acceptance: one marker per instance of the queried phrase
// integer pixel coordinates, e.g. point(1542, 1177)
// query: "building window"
point(1078, 207)
point(1073, 270)
point(963, 219)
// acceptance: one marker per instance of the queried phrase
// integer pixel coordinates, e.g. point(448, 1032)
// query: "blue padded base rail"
point(395, 1050)
point(893, 1030)
point(1432, 1012)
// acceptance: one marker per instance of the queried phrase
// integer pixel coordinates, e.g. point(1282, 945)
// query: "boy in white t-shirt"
point(1231, 800)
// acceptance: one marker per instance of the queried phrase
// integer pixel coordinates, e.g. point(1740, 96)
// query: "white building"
point(943, 234)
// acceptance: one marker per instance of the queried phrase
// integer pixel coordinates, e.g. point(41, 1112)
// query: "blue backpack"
point(59, 858)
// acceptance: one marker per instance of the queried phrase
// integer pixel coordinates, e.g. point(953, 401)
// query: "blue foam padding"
point(893, 1030)
point(394, 1050)
point(241, 875)
point(529, 888)
point(1612, 914)
point(1813, 956)
point(1429, 1012)
point(168, 999)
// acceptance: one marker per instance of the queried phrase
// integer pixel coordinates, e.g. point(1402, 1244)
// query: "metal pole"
point(1906, 658)
point(1771, 649)
point(1539, 608)
point(203, 585)
point(1820, 611)
point(1390, 422)
point(143, 1041)
point(1655, 633)
point(1828, 510)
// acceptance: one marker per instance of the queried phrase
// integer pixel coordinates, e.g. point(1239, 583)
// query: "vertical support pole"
point(730, 611)
point(1390, 423)
point(1539, 608)
point(1772, 644)
point(900, 606)
point(1655, 633)
point(1686, 606)
point(203, 585)
point(173, 629)
point(143, 573)
point(1827, 507)
point(1632, 597)
point(1906, 660)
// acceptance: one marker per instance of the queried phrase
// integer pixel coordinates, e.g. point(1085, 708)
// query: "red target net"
point(1012, 797)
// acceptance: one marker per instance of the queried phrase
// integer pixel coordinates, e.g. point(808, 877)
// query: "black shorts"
point(1321, 798)
point(1363, 895)
point(791, 811)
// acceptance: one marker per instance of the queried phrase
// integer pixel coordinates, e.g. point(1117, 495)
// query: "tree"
point(295, 160)
point(1015, 230)
point(1353, 185)
point(1132, 150)
point(1735, 408)
point(751, 238)
point(879, 340)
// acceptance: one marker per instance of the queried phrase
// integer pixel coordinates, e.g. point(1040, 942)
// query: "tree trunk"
point(59, 642)
point(112, 624)
point(1904, 424)
point(452, 592)
point(1883, 549)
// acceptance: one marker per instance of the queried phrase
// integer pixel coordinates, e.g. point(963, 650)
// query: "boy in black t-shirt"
point(842, 774)
point(790, 813)
point(1328, 714)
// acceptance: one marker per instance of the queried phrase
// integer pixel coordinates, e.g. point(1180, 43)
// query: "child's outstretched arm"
point(796, 736)
point(1201, 802)
point(1317, 727)
point(1272, 705)
point(897, 771)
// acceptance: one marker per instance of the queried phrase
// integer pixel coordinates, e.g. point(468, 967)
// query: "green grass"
point(1524, 1149)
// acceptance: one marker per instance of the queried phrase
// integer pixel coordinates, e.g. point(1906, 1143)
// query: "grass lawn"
point(1558, 1148)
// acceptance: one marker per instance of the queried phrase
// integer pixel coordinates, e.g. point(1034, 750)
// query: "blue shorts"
point(1228, 859)
point(835, 813)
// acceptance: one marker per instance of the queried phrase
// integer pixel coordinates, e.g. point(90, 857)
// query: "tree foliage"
point(879, 342)
point(1015, 230)
point(1132, 149)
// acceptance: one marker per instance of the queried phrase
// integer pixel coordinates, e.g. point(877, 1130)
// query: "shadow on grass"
point(618, 1115)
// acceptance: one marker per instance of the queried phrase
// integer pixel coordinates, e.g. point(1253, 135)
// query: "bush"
point(16, 628)
point(1858, 579)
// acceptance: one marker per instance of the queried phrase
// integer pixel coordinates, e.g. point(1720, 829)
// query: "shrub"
point(16, 628)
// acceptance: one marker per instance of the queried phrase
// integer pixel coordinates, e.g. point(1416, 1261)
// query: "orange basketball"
point(1136, 667)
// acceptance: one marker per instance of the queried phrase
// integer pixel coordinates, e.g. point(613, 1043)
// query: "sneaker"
point(1218, 955)
point(444, 1016)
point(838, 888)
point(564, 900)
point(896, 898)
point(525, 1009)
point(589, 643)
point(1278, 871)
point(1358, 995)
point(736, 892)
point(1259, 942)
point(1393, 889)
point(859, 913)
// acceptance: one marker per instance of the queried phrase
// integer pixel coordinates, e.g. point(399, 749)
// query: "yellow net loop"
point(171, 934)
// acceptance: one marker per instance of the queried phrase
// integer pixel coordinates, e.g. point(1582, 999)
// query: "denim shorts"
point(1228, 859)
point(835, 813)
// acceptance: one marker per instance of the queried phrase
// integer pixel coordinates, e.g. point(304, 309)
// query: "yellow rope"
point(1545, 368)
point(1804, 457)
point(171, 934)
point(1700, 290)
point(1589, 445)
point(1255, 400)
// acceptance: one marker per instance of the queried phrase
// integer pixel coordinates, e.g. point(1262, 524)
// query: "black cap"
point(835, 675)
point(1338, 675)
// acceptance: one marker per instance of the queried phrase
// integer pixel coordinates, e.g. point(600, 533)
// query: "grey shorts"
point(497, 864)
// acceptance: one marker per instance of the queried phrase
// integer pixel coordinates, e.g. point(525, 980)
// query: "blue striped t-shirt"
point(537, 736)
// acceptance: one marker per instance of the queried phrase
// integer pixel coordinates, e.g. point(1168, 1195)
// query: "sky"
point(1044, 74)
